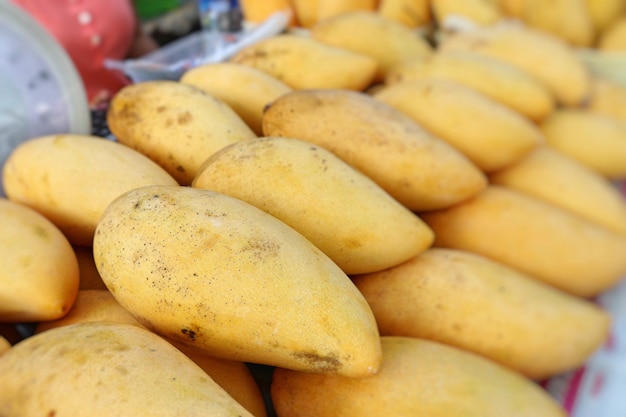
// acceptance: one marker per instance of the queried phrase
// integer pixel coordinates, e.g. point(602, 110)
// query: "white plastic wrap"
point(172, 60)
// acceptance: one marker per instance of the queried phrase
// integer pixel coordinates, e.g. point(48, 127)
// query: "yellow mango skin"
point(327, 9)
point(512, 8)
point(385, 40)
point(216, 273)
point(492, 77)
point(91, 305)
point(569, 20)
point(39, 277)
point(245, 89)
point(537, 238)
point(232, 376)
point(255, 11)
point(418, 377)
point(480, 12)
point(302, 62)
point(613, 38)
point(306, 12)
point(71, 179)
point(561, 71)
point(418, 169)
point(4, 345)
point(597, 141)
point(176, 125)
point(490, 134)
point(466, 300)
point(607, 97)
point(604, 12)
point(282, 176)
point(110, 369)
point(411, 13)
point(563, 181)
point(311, 12)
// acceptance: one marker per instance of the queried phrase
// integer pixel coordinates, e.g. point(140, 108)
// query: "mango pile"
point(398, 207)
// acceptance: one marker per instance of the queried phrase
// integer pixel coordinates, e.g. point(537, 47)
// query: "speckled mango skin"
point(107, 369)
point(71, 178)
point(176, 125)
point(216, 273)
point(418, 377)
point(100, 305)
point(418, 169)
point(245, 89)
point(302, 62)
point(340, 210)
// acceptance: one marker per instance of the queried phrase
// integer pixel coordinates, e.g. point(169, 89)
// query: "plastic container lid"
point(42, 92)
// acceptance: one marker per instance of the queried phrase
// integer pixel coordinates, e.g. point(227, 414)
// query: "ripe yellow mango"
point(310, 12)
point(71, 179)
point(418, 378)
point(469, 301)
point(282, 176)
point(91, 305)
point(214, 272)
point(245, 89)
point(232, 376)
point(554, 177)
point(303, 62)
point(604, 12)
point(110, 369)
point(255, 11)
point(490, 134)
point(39, 277)
point(613, 38)
point(537, 238)
point(4, 345)
point(569, 20)
point(176, 125)
point(327, 9)
point(418, 169)
point(596, 140)
point(512, 8)
point(566, 76)
point(306, 12)
point(492, 77)
point(383, 39)
point(411, 13)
